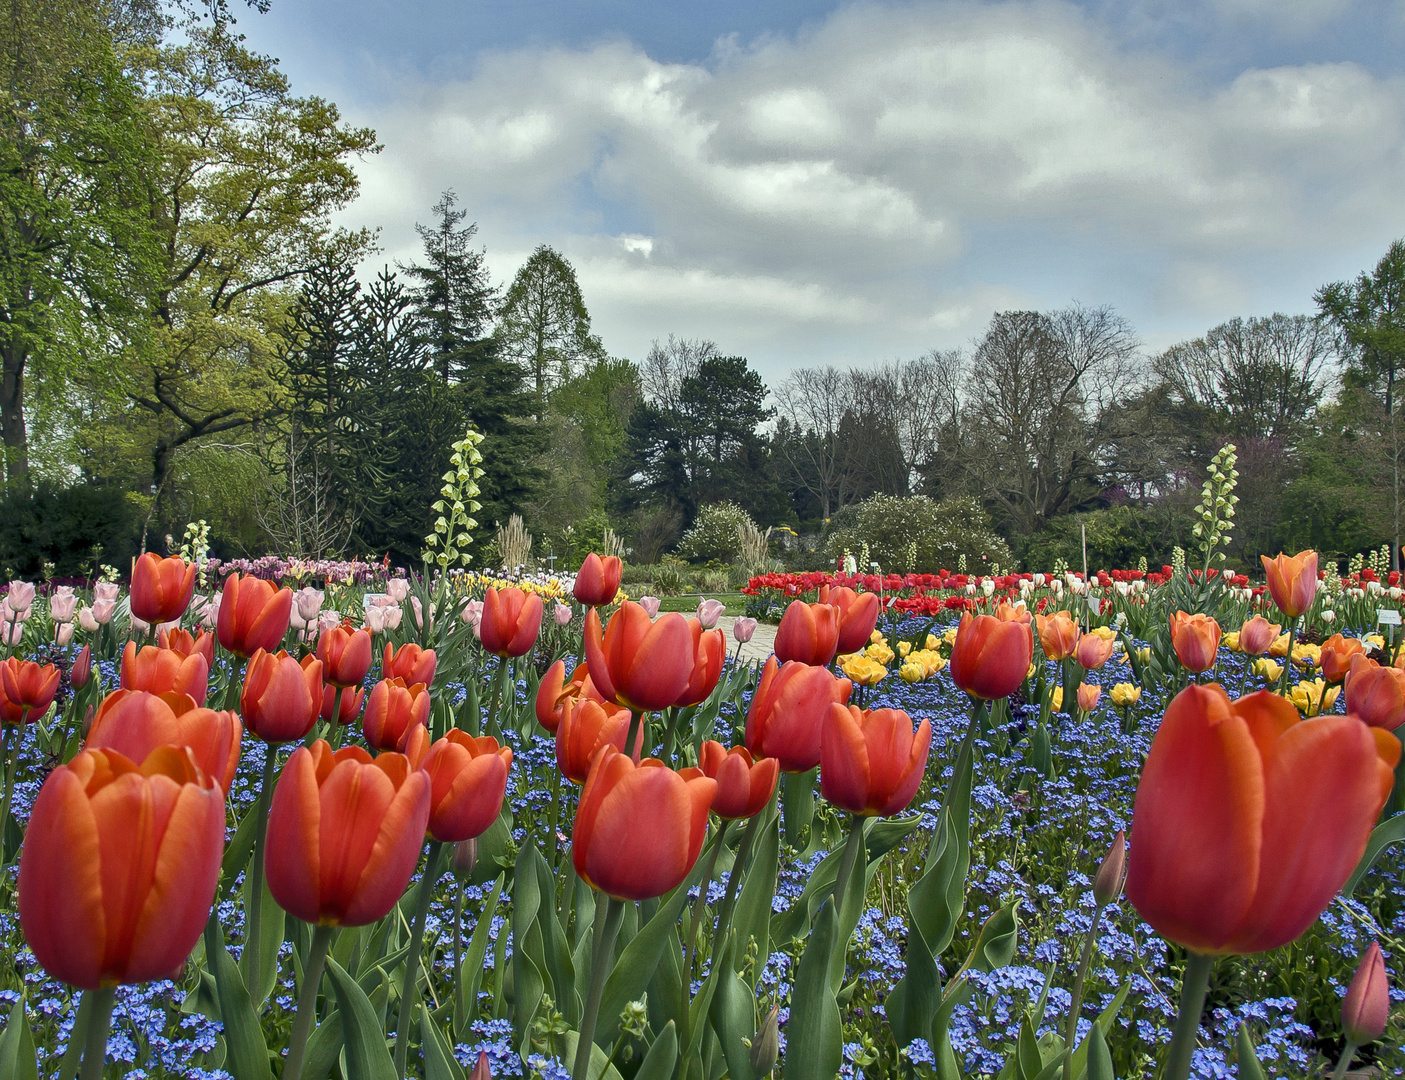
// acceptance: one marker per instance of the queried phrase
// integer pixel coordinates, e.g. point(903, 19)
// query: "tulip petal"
point(394, 852)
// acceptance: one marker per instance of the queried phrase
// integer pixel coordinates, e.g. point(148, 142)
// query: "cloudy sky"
point(855, 182)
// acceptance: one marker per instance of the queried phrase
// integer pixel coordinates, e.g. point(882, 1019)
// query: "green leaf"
point(323, 1048)
point(798, 798)
point(439, 1063)
point(270, 941)
point(18, 1060)
point(995, 945)
point(478, 949)
point(662, 1056)
point(599, 1067)
point(1104, 1024)
point(913, 1001)
point(1249, 1067)
point(1391, 831)
point(814, 1037)
point(236, 852)
point(751, 918)
point(366, 1055)
point(733, 1015)
point(243, 1034)
point(1099, 1059)
point(1027, 1057)
point(528, 955)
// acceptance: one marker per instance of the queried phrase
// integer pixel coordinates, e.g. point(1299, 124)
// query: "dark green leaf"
point(1391, 831)
point(248, 1051)
point(1249, 1067)
point(1099, 1059)
point(367, 1057)
point(439, 1063)
point(18, 1060)
point(814, 1037)
point(662, 1056)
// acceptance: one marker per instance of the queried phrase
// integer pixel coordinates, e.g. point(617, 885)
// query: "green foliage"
point(1117, 537)
point(448, 544)
point(74, 528)
point(892, 526)
point(715, 535)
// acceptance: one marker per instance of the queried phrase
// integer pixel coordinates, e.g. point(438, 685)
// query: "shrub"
point(1117, 537)
point(73, 528)
point(716, 534)
point(916, 533)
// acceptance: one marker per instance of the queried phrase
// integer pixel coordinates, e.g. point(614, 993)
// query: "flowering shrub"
point(715, 535)
point(916, 533)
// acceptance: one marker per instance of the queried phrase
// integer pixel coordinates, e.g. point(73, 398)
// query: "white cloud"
point(833, 194)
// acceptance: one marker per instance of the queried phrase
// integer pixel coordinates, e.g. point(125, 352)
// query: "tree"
point(544, 326)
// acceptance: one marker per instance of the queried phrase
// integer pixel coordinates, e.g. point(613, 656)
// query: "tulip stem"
point(1076, 1002)
point(1288, 660)
point(599, 969)
point(551, 844)
point(307, 1002)
point(411, 984)
point(1344, 1062)
point(9, 755)
point(495, 700)
point(253, 942)
point(335, 722)
point(99, 1023)
point(698, 907)
point(846, 861)
point(1194, 983)
point(458, 956)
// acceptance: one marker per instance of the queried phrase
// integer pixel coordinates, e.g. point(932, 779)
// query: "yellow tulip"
point(912, 673)
point(1268, 669)
point(1230, 641)
point(1056, 699)
point(904, 647)
point(1124, 694)
point(1314, 697)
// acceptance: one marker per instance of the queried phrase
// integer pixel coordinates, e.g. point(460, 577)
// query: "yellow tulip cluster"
point(1124, 694)
point(861, 669)
point(1313, 697)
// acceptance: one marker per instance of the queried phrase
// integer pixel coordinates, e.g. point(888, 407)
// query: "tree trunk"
point(12, 427)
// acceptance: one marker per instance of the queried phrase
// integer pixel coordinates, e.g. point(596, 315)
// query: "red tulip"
point(1376, 693)
point(1248, 820)
point(858, 615)
point(1256, 635)
point(281, 698)
point(1336, 657)
point(637, 663)
point(28, 690)
point(253, 615)
point(161, 588)
point(1093, 651)
point(186, 643)
point(598, 580)
point(158, 671)
point(136, 722)
point(585, 727)
point(871, 763)
point(1058, 635)
point(344, 834)
point(744, 786)
point(808, 633)
point(639, 828)
point(1196, 639)
point(709, 651)
point(1366, 1007)
point(392, 711)
point(1292, 581)
point(554, 691)
point(511, 621)
point(784, 719)
point(468, 778)
point(345, 655)
point(351, 701)
point(410, 663)
point(119, 866)
point(992, 653)
point(82, 669)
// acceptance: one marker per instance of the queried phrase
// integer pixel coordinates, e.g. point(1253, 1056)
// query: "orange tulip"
point(1248, 820)
point(344, 834)
point(158, 671)
point(709, 651)
point(858, 615)
point(467, 778)
point(784, 719)
point(28, 690)
point(281, 698)
point(1088, 695)
point(161, 588)
point(392, 711)
point(585, 727)
point(511, 621)
point(1292, 581)
point(1058, 635)
point(253, 615)
point(119, 866)
point(871, 762)
point(598, 580)
point(744, 786)
point(186, 643)
point(639, 828)
point(1375, 692)
point(637, 663)
point(410, 663)
point(992, 653)
point(345, 655)
point(351, 701)
point(1196, 639)
point(1257, 635)
point(808, 633)
point(1093, 651)
point(1337, 655)
point(554, 691)
point(136, 722)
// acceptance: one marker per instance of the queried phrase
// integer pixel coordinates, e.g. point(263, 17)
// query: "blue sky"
point(850, 183)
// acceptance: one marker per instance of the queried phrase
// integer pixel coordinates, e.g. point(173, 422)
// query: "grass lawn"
point(688, 602)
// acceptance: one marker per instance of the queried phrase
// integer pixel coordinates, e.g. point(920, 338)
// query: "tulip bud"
point(1366, 1006)
point(308, 601)
point(1107, 884)
point(464, 857)
point(82, 668)
point(481, 1071)
point(766, 1048)
point(88, 721)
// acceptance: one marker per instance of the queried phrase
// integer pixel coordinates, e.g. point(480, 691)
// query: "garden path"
point(761, 645)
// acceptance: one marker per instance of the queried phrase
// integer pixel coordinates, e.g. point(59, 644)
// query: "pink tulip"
point(375, 620)
point(472, 613)
point(103, 610)
point(709, 611)
point(650, 604)
point(562, 614)
point(398, 588)
point(392, 617)
point(743, 628)
point(86, 619)
point(20, 597)
point(63, 633)
point(107, 590)
point(307, 602)
point(419, 612)
point(11, 633)
point(63, 605)
point(211, 617)
point(328, 619)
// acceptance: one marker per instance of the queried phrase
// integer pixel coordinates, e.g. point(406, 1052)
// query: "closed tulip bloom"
point(1337, 654)
point(161, 588)
point(1093, 651)
point(639, 828)
point(182, 641)
point(871, 762)
point(135, 722)
point(398, 588)
point(253, 615)
point(63, 604)
point(19, 597)
point(784, 719)
point(511, 621)
point(709, 651)
point(1366, 1007)
point(808, 633)
point(636, 663)
point(28, 689)
point(467, 778)
point(561, 614)
point(1058, 635)
point(307, 602)
point(992, 653)
point(159, 671)
point(1196, 639)
point(1257, 635)
point(585, 727)
point(351, 701)
point(483, 1070)
point(709, 611)
point(650, 604)
point(410, 663)
point(393, 709)
point(743, 628)
point(281, 698)
point(744, 786)
point(82, 669)
point(1248, 819)
point(344, 834)
point(345, 655)
point(1376, 693)
point(119, 866)
point(107, 590)
point(598, 580)
point(1088, 695)
point(1292, 581)
point(858, 615)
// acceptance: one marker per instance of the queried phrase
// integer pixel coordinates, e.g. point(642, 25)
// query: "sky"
point(852, 183)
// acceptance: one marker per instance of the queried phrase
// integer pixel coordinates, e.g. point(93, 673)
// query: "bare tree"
point(667, 366)
point(812, 405)
point(919, 397)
